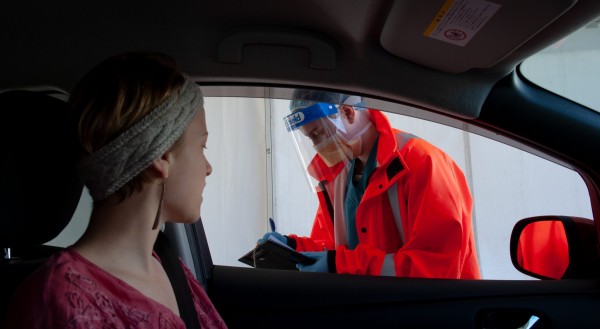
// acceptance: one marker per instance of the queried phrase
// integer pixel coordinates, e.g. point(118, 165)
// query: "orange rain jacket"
point(543, 249)
point(435, 207)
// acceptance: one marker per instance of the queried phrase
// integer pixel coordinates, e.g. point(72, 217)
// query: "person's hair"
point(115, 95)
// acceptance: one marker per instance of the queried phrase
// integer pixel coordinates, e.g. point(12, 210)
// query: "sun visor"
point(458, 35)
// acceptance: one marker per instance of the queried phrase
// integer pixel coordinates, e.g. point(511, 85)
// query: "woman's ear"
point(162, 165)
point(348, 112)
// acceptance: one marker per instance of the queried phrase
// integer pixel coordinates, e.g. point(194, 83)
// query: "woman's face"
point(187, 175)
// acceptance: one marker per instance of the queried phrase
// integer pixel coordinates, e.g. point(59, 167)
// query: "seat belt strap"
point(183, 294)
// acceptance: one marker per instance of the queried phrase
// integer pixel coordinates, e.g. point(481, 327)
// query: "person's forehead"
point(321, 123)
point(197, 125)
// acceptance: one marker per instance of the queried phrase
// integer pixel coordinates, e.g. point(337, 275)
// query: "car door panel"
point(251, 298)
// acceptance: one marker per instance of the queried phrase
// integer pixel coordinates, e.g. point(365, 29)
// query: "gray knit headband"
point(119, 161)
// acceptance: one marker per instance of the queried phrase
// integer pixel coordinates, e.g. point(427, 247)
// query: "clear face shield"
point(319, 130)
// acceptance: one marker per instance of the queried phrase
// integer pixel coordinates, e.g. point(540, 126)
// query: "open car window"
point(244, 189)
point(570, 67)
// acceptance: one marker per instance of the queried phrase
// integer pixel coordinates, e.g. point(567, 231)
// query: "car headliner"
point(55, 43)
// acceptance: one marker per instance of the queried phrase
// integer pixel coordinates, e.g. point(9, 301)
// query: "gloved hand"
point(321, 264)
point(276, 235)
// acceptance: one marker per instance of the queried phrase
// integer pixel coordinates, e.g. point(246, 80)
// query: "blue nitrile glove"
point(321, 265)
point(276, 235)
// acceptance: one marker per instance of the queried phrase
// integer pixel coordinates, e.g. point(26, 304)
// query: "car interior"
point(248, 57)
point(27, 226)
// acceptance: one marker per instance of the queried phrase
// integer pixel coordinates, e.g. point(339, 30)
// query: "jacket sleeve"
point(321, 237)
point(436, 218)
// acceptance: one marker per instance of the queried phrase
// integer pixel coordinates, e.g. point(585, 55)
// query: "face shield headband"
point(307, 115)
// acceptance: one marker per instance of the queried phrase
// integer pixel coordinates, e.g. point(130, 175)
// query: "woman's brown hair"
point(115, 95)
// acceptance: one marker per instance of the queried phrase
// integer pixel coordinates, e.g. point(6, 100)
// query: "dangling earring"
point(157, 219)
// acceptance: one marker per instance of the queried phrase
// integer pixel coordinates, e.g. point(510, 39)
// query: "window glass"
point(257, 175)
point(571, 67)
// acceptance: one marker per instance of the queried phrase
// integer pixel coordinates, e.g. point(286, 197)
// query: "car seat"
point(39, 186)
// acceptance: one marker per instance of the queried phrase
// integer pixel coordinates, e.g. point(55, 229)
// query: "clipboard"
point(272, 254)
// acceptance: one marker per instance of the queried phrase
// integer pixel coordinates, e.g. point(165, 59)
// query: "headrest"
point(39, 186)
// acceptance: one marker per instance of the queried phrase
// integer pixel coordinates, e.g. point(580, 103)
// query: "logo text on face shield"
point(294, 121)
point(309, 114)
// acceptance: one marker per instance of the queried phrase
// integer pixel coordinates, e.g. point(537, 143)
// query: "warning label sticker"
point(459, 20)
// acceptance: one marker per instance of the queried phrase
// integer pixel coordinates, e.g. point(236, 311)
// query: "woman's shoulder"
point(46, 289)
point(61, 273)
point(71, 291)
point(66, 269)
point(51, 276)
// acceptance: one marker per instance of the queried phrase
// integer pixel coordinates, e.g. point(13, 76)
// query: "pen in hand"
point(272, 224)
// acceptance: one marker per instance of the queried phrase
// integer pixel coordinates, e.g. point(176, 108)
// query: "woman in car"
point(141, 126)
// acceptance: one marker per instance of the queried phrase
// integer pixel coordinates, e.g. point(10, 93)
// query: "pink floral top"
point(71, 292)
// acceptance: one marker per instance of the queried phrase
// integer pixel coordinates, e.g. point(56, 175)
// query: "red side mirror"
point(555, 247)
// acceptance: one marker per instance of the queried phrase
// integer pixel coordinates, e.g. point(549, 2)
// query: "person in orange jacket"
point(390, 203)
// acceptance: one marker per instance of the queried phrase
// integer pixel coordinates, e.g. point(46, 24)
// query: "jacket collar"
point(388, 157)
